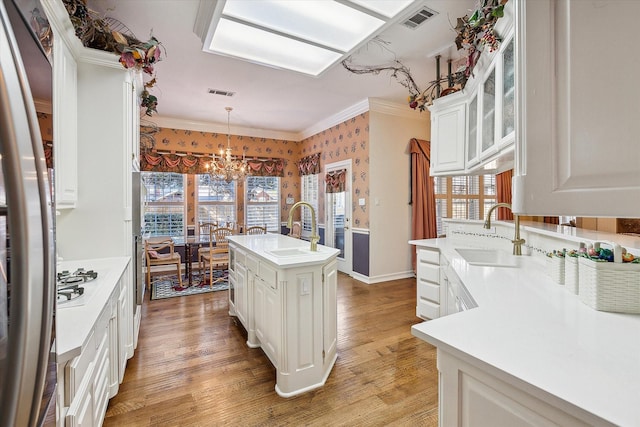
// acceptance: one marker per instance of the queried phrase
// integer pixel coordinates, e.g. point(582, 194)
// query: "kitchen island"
point(285, 295)
point(530, 352)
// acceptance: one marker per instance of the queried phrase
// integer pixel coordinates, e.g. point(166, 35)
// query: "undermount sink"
point(284, 252)
point(488, 257)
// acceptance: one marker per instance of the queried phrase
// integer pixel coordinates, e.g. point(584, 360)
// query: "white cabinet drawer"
point(427, 309)
point(240, 257)
point(252, 264)
point(426, 255)
point(268, 274)
point(428, 272)
point(429, 291)
point(78, 368)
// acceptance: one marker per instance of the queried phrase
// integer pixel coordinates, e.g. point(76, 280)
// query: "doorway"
point(338, 210)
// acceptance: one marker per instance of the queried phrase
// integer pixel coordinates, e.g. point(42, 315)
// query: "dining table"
point(190, 242)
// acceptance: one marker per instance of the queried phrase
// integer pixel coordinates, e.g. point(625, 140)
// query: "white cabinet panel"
point(472, 397)
point(65, 125)
point(448, 138)
point(577, 141)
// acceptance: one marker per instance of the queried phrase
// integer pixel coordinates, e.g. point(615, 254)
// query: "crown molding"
point(43, 106)
point(342, 116)
point(394, 109)
point(203, 126)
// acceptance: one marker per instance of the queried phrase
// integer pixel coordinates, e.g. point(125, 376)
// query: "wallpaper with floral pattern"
point(197, 142)
point(346, 140)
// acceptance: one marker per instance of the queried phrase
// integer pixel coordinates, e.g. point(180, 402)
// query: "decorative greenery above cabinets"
point(473, 131)
point(111, 35)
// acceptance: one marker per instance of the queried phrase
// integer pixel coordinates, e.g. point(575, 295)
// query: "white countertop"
point(76, 319)
point(529, 328)
point(263, 244)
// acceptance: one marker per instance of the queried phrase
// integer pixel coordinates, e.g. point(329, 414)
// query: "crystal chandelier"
point(226, 166)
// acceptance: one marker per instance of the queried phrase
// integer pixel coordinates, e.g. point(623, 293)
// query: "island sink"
point(288, 252)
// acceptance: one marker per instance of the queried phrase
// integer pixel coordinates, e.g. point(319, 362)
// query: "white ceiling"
point(272, 99)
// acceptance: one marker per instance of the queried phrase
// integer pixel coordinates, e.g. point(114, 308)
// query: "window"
point(309, 186)
point(463, 197)
point(262, 202)
point(163, 203)
point(216, 199)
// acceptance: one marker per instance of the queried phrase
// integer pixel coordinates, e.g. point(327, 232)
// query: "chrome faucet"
point(517, 241)
point(314, 231)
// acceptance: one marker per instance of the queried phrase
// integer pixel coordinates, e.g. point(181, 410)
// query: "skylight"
point(305, 36)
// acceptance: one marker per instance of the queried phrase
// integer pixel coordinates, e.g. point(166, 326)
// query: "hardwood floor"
point(192, 367)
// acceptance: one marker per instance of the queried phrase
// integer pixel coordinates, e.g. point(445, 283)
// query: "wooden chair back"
point(256, 229)
point(296, 230)
point(156, 254)
point(205, 227)
point(219, 236)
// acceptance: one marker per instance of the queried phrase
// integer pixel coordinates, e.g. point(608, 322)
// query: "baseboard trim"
point(369, 280)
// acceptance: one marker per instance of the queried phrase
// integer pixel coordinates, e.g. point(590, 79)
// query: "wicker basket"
point(609, 286)
point(557, 269)
point(571, 282)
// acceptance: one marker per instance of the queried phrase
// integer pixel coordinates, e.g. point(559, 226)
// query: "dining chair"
point(154, 256)
point(216, 257)
point(205, 227)
point(256, 229)
point(296, 230)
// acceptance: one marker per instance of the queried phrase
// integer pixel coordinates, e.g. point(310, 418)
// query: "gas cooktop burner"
point(80, 275)
point(68, 283)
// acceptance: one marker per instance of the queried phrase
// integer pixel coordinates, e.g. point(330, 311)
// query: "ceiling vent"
point(221, 92)
point(419, 18)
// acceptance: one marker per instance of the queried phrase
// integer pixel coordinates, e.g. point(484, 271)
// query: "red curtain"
point(309, 165)
point(503, 193)
point(335, 181)
point(192, 164)
point(423, 197)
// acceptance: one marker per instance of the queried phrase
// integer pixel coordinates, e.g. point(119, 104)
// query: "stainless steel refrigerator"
point(27, 269)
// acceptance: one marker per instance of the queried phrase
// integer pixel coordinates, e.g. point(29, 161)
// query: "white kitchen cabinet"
point(577, 123)
point(448, 122)
point(123, 327)
point(80, 413)
point(65, 122)
point(457, 297)
point(267, 309)
point(472, 396)
point(428, 300)
point(241, 300)
point(86, 377)
point(472, 132)
point(114, 352)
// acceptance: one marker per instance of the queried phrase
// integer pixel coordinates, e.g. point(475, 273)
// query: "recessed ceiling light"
point(304, 36)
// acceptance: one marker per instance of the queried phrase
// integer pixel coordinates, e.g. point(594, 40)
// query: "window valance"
point(335, 181)
point(309, 165)
point(188, 163)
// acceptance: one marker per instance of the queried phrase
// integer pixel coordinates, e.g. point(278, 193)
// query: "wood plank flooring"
point(192, 367)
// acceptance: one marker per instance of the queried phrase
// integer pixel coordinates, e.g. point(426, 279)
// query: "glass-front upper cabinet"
point(472, 127)
point(507, 131)
point(489, 112)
